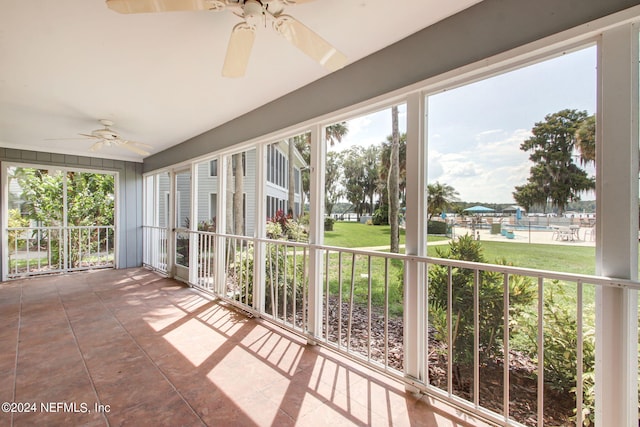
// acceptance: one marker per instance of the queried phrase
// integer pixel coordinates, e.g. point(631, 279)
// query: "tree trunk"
point(394, 181)
point(228, 209)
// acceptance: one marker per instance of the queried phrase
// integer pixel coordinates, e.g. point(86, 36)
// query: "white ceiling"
point(64, 64)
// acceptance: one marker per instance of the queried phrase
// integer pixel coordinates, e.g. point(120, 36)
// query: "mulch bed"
point(522, 370)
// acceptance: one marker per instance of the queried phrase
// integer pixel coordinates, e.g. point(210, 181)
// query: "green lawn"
point(569, 259)
point(562, 258)
point(356, 235)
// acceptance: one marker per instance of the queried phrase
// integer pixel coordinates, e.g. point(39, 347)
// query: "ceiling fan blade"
point(310, 43)
point(239, 50)
point(97, 146)
point(129, 146)
point(147, 6)
point(64, 139)
point(87, 135)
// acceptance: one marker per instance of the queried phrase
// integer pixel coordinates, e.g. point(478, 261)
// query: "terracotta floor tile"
point(169, 411)
point(159, 353)
point(71, 416)
point(8, 355)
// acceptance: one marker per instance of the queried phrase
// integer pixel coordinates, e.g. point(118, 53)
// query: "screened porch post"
point(415, 244)
point(617, 226)
point(316, 231)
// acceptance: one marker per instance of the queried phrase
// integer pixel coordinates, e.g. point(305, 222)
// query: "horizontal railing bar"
point(520, 271)
point(61, 227)
point(504, 269)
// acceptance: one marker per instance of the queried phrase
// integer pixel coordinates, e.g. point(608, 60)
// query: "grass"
point(356, 235)
point(562, 258)
point(340, 273)
point(567, 259)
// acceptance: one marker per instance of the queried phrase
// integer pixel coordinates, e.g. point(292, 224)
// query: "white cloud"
point(486, 170)
point(371, 129)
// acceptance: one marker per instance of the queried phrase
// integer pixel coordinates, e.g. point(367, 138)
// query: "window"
point(277, 165)
point(213, 205)
point(213, 167)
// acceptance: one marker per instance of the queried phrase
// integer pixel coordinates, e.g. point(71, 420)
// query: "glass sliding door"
point(58, 220)
point(156, 221)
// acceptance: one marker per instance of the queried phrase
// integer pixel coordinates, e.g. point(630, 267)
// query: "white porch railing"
point(45, 250)
point(485, 351)
point(155, 248)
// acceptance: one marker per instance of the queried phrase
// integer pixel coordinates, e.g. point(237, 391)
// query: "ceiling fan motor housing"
point(253, 12)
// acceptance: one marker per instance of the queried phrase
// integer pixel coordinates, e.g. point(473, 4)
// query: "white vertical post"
point(221, 224)
point(316, 231)
point(194, 258)
point(4, 196)
point(259, 279)
point(171, 226)
point(65, 223)
point(617, 226)
point(415, 243)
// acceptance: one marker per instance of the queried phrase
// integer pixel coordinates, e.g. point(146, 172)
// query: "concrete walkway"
point(520, 236)
point(526, 236)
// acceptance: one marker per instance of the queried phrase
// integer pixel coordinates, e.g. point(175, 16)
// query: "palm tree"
point(394, 181)
point(385, 166)
point(440, 198)
point(586, 140)
point(333, 134)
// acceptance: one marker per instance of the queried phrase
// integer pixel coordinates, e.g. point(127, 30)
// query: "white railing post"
point(316, 231)
point(194, 236)
point(415, 329)
point(617, 226)
point(259, 279)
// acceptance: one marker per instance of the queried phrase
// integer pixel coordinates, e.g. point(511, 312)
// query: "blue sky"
point(475, 131)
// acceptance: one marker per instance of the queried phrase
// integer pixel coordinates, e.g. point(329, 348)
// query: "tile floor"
point(129, 347)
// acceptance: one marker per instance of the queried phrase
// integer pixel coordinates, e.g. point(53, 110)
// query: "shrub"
point(208, 225)
point(521, 292)
point(560, 345)
point(295, 231)
point(273, 230)
point(436, 227)
point(282, 226)
point(304, 219)
point(278, 261)
point(16, 220)
point(381, 216)
point(328, 223)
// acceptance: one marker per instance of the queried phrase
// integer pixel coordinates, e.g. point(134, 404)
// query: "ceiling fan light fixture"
point(253, 13)
point(107, 137)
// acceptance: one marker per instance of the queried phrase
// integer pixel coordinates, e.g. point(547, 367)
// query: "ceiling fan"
point(107, 137)
point(253, 13)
